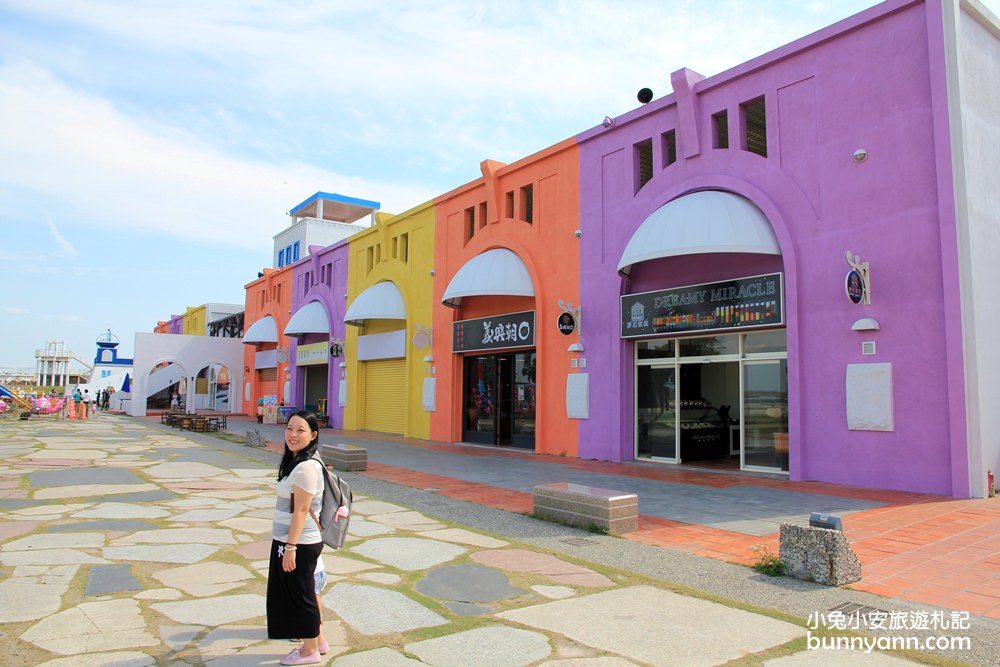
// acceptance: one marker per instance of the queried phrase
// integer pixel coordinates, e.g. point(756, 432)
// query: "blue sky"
point(150, 150)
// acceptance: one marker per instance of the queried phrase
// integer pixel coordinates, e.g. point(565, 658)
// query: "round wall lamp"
point(860, 155)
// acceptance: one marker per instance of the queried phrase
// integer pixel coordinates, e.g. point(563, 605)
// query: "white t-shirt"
point(308, 477)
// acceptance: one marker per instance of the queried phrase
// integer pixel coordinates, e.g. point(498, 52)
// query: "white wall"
point(978, 209)
point(192, 353)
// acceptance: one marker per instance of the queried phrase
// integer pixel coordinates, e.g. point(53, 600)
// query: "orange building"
point(507, 273)
point(265, 368)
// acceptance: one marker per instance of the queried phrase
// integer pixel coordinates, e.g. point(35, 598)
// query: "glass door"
point(479, 417)
point(524, 400)
point(500, 400)
point(656, 412)
point(503, 393)
point(765, 415)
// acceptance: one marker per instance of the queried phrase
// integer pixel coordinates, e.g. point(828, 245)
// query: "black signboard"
point(756, 301)
point(566, 324)
point(498, 332)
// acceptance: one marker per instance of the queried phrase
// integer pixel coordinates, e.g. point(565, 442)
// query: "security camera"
point(578, 233)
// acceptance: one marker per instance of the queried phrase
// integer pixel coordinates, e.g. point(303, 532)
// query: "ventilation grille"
point(579, 541)
point(756, 127)
point(868, 348)
point(851, 609)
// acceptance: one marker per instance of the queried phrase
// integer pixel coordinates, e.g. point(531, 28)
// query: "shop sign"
point(853, 285)
point(566, 324)
point(312, 354)
point(858, 283)
point(755, 301)
point(498, 332)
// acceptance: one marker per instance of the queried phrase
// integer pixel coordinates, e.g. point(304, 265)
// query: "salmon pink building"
point(506, 287)
point(266, 369)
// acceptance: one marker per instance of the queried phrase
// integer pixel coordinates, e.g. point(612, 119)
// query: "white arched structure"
point(192, 353)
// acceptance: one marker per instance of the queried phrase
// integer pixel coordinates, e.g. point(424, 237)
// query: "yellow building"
point(195, 321)
point(389, 297)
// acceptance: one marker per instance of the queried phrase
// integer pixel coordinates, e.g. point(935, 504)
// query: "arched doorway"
point(166, 387)
point(703, 307)
point(212, 387)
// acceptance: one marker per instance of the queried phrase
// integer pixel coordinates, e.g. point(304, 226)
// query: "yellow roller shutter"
point(385, 396)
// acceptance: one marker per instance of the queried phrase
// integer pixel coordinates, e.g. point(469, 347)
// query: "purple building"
point(317, 329)
point(787, 267)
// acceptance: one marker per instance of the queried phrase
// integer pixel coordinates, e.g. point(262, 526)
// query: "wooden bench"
point(589, 507)
point(345, 457)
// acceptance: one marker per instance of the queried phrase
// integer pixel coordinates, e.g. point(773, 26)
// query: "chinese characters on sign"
point(312, 354)
point(731, 304)
point(498, 332)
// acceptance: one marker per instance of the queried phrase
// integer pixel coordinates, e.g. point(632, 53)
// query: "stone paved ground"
point(124, 544)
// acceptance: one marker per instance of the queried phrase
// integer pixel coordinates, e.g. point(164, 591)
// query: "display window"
point(720, 401)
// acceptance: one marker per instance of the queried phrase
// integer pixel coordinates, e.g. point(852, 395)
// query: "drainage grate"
point(579, 541)
point(432, 489)
point(859, 610)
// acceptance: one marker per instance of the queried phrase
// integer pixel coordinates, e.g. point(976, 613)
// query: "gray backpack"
point(336, 492)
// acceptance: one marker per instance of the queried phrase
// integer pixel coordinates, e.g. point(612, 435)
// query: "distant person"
point(83, 405)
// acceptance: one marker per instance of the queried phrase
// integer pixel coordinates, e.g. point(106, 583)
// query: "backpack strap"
point(330, 477)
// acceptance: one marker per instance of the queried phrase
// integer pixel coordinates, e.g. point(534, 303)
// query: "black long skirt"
point(292, 612)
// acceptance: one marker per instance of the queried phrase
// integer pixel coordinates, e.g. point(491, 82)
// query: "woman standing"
point(292, 611)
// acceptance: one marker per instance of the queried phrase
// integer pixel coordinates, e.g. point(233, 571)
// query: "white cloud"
point(66, 249)
point(67, 146)
point(495, 80)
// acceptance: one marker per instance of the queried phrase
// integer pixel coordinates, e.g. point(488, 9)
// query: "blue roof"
point(343, 209)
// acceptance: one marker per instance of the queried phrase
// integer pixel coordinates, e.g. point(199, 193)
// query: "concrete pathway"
point(123, 543)
point(916, 547)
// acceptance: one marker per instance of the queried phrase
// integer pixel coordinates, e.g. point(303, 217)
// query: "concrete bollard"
point(818, 554)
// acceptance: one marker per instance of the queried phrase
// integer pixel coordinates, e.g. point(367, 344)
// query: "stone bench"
point(588, 507)
point(345, 457)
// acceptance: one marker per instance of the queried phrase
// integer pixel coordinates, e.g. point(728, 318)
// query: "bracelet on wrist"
point(291, 547)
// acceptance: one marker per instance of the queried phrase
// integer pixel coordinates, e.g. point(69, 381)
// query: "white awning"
point(382, 301)
point(498, 272)
point(263, 330)
point(710, 221)
point(310, 318)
